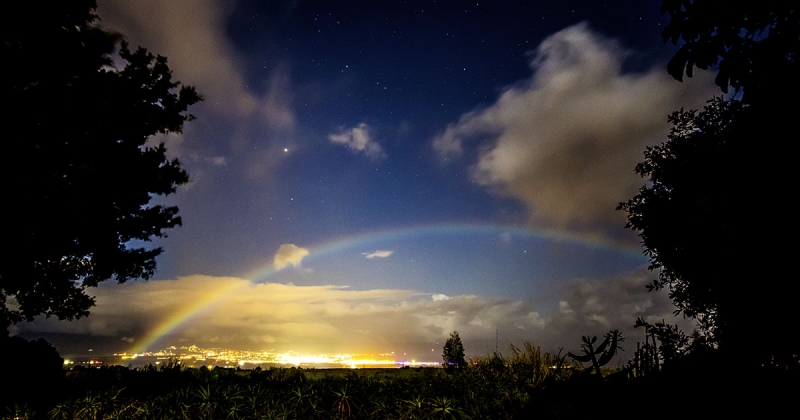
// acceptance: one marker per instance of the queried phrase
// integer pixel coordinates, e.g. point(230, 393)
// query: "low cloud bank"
point(333, 318)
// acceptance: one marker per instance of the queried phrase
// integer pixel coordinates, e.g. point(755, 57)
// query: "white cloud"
point(289, 254)
point(440, 296)
point(377, 254)
point(217, 160)
point(359, 140)
point(566, 140)
point(191, 34)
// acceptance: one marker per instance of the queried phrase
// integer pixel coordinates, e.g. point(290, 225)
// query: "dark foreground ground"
point(525, 386)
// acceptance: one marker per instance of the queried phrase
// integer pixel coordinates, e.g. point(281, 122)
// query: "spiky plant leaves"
point(615, 337)
point(601, 348)
point(446, 408)
point(344, 404)
point(19, 413)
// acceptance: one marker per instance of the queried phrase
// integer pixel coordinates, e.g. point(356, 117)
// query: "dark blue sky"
point(468, 154)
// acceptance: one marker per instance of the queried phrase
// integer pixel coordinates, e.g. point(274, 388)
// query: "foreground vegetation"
point(527, 384)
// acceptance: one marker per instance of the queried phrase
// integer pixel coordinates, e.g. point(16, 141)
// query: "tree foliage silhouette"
point(78, 172)
point(672, 213)
point(453, 352)
point(709, 220)
point(753, 45)
point(712, 217)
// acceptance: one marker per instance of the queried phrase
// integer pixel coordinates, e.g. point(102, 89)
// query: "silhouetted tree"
point(33, 371)
point(78, 173)
point(713, 215)
point(453, 352)
point(668, 341)
point(711, 219)
point(753, 44)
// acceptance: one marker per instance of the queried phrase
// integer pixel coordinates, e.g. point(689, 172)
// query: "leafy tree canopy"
point(753, 43)
point(453, 352)
point(78, 173)
point(712, 219)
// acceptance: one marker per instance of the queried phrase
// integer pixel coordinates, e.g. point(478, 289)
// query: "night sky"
point(370, 176)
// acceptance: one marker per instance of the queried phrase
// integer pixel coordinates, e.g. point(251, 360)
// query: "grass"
point(527, 384)
point(374, 373)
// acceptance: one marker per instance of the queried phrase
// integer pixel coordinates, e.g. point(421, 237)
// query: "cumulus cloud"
point(289, 254)
point(377, 254)
point(239, 314)
point(566, 140)
point(191, 33)
point(359, 140)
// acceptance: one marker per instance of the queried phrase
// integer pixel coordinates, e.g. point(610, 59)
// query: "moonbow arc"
point(360, 243)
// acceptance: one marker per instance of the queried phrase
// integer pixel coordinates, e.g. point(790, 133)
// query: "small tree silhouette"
point(453, 352)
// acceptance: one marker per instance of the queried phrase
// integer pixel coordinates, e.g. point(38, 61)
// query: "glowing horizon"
point(184, 315)
point(345, 360)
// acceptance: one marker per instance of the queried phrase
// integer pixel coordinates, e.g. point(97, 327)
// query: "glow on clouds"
point(332, 318)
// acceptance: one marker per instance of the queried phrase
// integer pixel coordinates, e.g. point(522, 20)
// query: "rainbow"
point(187, 313)
point(365, 242)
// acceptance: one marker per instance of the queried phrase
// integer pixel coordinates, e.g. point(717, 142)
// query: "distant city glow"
point(245, 358)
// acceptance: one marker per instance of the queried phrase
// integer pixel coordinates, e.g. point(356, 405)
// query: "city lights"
point(246, 359)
